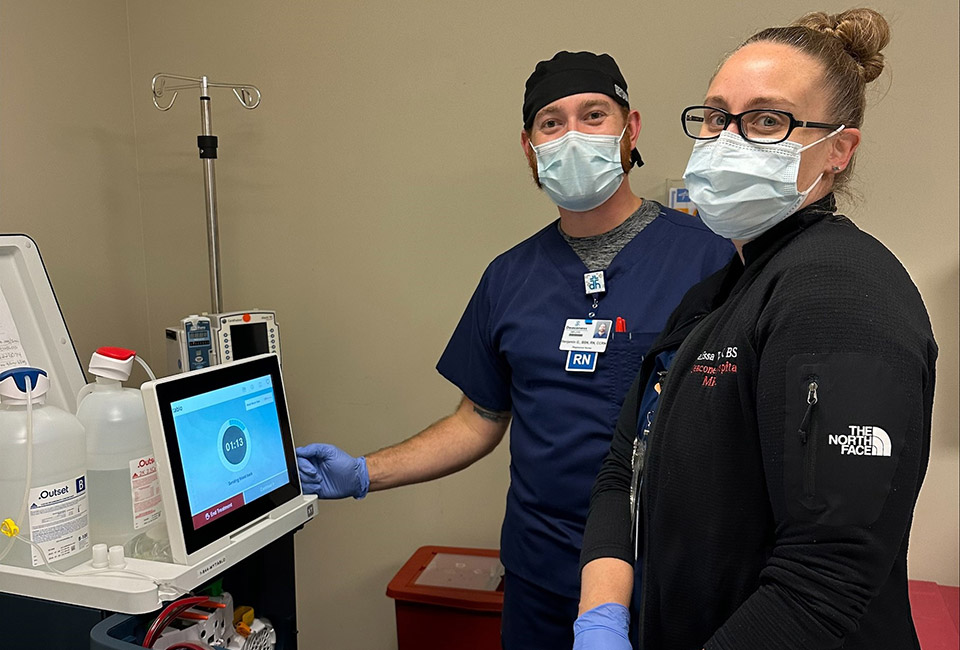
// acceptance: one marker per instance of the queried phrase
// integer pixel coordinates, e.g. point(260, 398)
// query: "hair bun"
point(862, 32)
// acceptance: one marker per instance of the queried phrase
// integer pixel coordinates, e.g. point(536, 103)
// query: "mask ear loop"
point(812, 185)
point(823, 139)
point(635, 159)
point(804, 148)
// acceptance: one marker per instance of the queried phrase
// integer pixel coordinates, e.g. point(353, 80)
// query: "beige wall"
point(365, 195)
point(68, 163)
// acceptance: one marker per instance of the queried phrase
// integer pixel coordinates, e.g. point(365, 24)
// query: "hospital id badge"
point(586, 335)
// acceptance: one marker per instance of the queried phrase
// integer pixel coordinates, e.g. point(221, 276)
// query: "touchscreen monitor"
point(224, 449)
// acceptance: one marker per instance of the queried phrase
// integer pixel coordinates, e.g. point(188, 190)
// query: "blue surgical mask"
point(580, 171)
point(742, 189)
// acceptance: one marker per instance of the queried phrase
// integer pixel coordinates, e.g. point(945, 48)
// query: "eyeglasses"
point(760, 126)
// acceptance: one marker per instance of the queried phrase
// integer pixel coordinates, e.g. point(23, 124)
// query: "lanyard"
point(637, 462)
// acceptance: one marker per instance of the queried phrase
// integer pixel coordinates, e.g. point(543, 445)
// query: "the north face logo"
point(862, 441)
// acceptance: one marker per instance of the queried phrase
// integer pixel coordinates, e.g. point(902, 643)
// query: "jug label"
point(59, 519)
point(145, 488)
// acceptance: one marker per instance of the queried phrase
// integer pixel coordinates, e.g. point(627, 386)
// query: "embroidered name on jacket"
point(862, 441)
point(712, 364)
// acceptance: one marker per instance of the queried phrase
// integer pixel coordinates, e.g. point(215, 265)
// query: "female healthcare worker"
point(792, 432)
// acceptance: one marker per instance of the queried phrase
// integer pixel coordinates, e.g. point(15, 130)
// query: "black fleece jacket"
point(787, 453)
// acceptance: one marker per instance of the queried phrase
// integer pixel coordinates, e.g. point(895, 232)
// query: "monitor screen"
point(249, 339)
point(229, 447)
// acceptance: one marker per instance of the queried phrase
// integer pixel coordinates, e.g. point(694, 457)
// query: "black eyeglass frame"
point(738, 119)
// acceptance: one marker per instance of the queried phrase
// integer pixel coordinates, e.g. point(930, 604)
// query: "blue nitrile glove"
point(331, 473)
point(605, 627)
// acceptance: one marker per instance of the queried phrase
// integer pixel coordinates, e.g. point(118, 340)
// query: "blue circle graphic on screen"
point(234, 445)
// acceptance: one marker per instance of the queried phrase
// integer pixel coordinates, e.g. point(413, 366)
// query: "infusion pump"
point(200, 341)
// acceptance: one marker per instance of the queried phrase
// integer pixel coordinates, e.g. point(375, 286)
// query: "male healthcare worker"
point(525, 351)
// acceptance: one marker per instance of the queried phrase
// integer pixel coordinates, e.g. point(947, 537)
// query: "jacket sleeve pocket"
point(844, 429)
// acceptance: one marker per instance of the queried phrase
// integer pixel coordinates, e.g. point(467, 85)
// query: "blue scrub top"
point(505, 356)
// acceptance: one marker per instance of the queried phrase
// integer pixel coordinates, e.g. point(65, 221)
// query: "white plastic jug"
point(42, 474)
point(125, 502)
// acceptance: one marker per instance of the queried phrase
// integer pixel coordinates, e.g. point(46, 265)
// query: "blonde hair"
point(848, 45)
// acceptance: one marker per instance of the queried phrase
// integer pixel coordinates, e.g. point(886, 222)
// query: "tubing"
point(26, 489)
point(143, 363)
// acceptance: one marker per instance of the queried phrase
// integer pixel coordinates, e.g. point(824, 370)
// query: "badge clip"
point(593, 283)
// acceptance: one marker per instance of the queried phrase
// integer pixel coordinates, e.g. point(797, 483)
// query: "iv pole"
point(249, 97)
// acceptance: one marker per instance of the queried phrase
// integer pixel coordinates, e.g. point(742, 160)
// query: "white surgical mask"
point(742, 189)
point(580, 171)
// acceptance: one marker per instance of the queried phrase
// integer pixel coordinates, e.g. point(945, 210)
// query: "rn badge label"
point(581, 361)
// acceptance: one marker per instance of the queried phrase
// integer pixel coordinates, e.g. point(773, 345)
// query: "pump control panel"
point(246, 334)
point(200, 341)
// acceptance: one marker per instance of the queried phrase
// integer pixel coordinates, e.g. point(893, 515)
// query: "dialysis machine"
point(232, 500)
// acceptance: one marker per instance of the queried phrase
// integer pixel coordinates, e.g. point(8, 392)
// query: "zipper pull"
point(634, 471)
point(635, 461)
point(811, 400)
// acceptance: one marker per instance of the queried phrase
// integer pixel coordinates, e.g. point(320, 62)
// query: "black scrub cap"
point(571, 73)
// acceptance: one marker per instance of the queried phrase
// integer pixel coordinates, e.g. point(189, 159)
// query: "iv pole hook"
point(249, 97)
point(247, 94)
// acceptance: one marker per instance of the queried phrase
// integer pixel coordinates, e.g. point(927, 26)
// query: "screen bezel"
point(186, 386)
